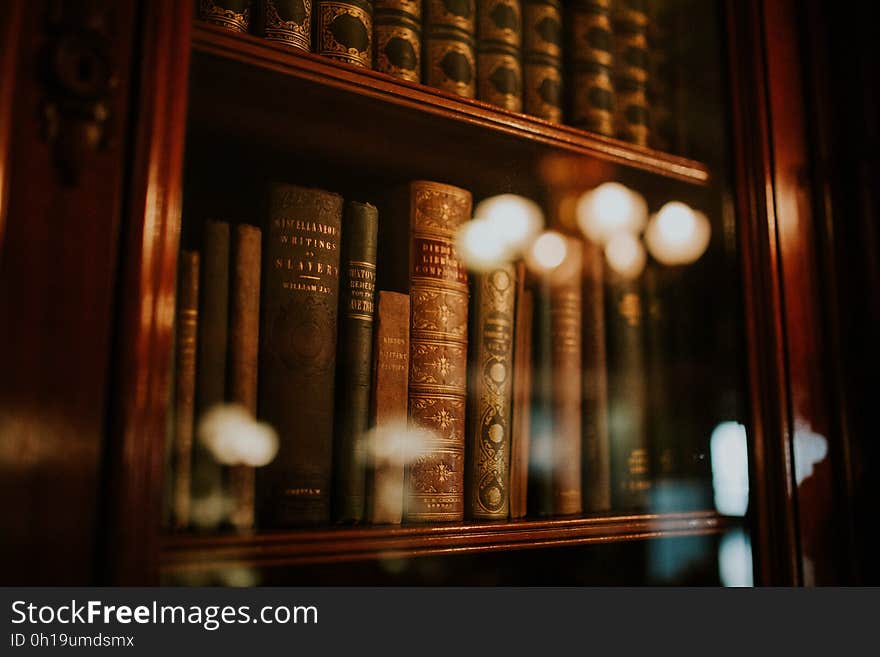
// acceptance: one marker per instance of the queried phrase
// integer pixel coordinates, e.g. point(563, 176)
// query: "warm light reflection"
point(516, 219)
point(625, 255)
point(609, 209)
point(548, 251)
point(730, 468)
point(234, 437)
point(677, 234)
point(481, 246)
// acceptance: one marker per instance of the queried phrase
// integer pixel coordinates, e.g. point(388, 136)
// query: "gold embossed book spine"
point(542, 59)
point(522, 393)
point(490, 394)
point(631, 71)
point(593, 95)
point(449, 59)
point(233, 15)
point(300, 295)
point(499, 53)
point(288, 22)
point(397, 38)
point(344, 31)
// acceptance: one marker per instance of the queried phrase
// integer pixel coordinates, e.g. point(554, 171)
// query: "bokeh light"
point(677, 234)
point(609, 209)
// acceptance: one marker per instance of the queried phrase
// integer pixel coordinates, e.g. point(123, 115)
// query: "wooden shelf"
point(188, 552)
point(308, 105)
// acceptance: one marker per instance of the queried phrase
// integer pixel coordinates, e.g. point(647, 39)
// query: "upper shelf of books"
point(291, 101)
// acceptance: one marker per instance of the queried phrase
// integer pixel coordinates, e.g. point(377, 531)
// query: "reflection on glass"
point(735, 559)
point(730, 468)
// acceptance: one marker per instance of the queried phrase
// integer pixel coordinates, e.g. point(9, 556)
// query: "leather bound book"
point(397, 37)
point(427, 267)
point(244, 336)
point(565, 350)
point(542, 59)
point(288, 22)
point(213, 332)
point(630, 460)
point(522, 391)
point(631, 71)
point(344, 31)
point(659, 82)
point(388, 408)
point(490, 394)
point(596, 445)
point(232, 14)
point(449, 34)
point(185, 385)
point(499, 50)
point(590, 66)
point(298, 352)
point(354, 355)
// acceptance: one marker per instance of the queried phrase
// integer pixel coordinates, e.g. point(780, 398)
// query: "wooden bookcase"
point(87, 428)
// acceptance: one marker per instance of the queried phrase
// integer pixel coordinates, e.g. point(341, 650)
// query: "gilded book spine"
point(542, 59)
point(288, 22)
point(397, 38)
point(565, 339)
point(631, 71)
point(591, 60)
point(490, 399)
point(298, 352)
point(449, 60)
point(522, 391)
point(597, 464)
point(499, 51)
point(388, 408)
point(187, 331)
point(354, 359)
point(659, 77)
point(232, 14)
point(344, 31)
point(438, 352)
point(244, 335)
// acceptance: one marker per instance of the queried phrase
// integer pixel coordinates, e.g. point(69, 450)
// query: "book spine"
point(389, 408)
point(597, 455)
point(232, 14)
point(592, 88)
point(522, 391)
point(213, 334)
point(449, 33)
point(397, 37)
point(542, 59)
point(659, 78)
point(288, 22)
point(499, 52)
point(631, 71)
point(565, 337)
point(344, 31)
point(630, 471)
point(244, 336)
point(490, 399)
point(298, 352)
point(438, 352)
point(354, 356)
point(184, 402)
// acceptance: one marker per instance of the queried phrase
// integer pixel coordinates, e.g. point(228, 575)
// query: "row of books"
point(401, 386)
point(609, 59)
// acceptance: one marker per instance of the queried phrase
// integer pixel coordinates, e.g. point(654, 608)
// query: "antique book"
point(499, 52)
point(232, 14)
point(449, 35)
point(344, 31)
point(596, 445)
point(397, 38)
point(185, 385)
point(300, 294)
point(354, 355)
point(658, 88)
point(542, 59)
point(422, 262)
point(630, 459)
point(388, 409)
point(213, 333)
point(522, 392)
point(244, 336)
point(287, 21)
point(631, 71)
point(590, 66)
point(566, 396)
point(490, 394)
